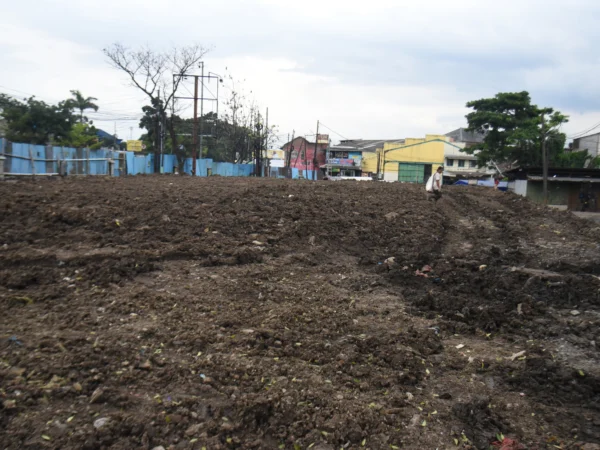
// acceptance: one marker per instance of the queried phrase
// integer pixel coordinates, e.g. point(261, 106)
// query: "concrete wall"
point(520, 187)
point(559, 194)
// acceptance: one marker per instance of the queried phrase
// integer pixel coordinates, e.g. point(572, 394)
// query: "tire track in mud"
point(538, 372)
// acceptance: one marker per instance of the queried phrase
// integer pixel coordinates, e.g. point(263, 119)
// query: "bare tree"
point(240, 116)
point(158, 75)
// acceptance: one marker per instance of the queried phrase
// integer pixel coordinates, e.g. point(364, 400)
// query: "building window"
point(449, 162)
point(461, 163)
point(472, 164)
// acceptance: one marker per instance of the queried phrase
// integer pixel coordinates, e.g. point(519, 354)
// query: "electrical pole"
point(266, 136)
point(195, 130)
point(288, 157)
point(201, 109)
point(257, 144)
point(196, 98)
point(162, 141)
point(544, 162)
point(315, 153)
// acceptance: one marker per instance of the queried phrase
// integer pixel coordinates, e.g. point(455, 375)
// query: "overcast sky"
point(367, 69)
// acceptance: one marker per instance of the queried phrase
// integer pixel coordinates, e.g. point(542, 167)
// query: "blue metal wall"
point(45, 159)
point(92, 163)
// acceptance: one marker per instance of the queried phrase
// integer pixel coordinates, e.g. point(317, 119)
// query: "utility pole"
point(257, 144)
point(201, 108)
point(315, 153)
point(162, 141)
point(266, 146)
point(196, 98)
point(131, 133)
point(544, 161)
point(288, 157)
point(115, 136)
point(195, 130)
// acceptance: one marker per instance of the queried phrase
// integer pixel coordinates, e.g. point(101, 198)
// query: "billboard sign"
point(135, 146)
point(322, 139)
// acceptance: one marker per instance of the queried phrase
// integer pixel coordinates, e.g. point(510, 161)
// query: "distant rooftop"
point(462, 135)
point(363, 145)
point(553, 173)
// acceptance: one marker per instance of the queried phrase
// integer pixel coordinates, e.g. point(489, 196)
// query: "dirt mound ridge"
point(240, 313)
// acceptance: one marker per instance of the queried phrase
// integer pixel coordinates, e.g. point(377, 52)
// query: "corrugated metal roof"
point(363, 145)
point(463, 135)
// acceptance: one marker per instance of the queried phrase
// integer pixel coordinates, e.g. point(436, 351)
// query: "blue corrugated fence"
point(96, 162)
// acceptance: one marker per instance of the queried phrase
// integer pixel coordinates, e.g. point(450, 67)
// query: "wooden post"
point(63, 162)
point(111, 162)
point(88, 168)
point(544, 162)
point(2, 157)
point(32, 161)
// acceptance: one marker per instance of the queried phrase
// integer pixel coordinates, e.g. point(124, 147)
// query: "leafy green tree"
point(82, 135)
point(151, 122)
point(572, 160)
point(81, 103)
point(513, 130)
point(34, 121)
point(594, 163)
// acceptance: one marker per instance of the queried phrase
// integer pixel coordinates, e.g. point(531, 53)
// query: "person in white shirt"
point(434, 185)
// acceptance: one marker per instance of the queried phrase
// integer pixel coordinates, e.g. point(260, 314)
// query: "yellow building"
point(412, 161)
point(369, 161)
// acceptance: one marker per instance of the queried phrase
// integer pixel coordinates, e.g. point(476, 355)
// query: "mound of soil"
point(226, 313)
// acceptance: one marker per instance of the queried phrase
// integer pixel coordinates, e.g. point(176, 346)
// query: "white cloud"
point(383, 68)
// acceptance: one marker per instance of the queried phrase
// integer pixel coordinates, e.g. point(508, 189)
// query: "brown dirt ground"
point(230, 313)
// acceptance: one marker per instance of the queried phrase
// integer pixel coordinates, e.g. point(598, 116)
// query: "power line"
point(103, 112)
point(582, 133)
point(333, 131)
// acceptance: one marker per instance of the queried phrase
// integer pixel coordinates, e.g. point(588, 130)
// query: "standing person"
point(584, 199)
point(434, 185)
point(496, 183)
point(592, 197)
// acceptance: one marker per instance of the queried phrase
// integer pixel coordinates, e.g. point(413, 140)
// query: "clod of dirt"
point(590, 447)
point(146, 365)
point(99, 423)
point(193, 430)
point(481, 425)
point(9, 404)
point(96, 395)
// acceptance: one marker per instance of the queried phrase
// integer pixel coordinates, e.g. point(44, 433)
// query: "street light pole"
point(195, 132)
point(201, 108)
point(219, 81)
point(544, 162)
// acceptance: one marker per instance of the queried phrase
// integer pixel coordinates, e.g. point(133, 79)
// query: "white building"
point(590, 143)
point(459, 164)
